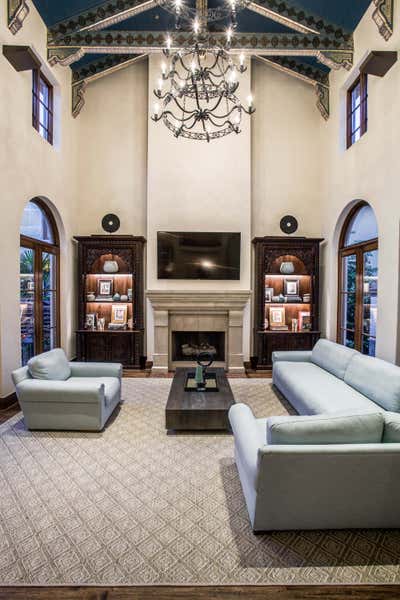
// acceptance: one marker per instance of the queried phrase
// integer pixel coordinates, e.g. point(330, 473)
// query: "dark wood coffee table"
point(198, 410)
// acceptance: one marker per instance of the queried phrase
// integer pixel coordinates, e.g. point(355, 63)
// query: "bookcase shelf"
point(275, 285)
point(122, 304)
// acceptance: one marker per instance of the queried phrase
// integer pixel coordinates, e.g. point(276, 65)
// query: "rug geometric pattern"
point(133, 505)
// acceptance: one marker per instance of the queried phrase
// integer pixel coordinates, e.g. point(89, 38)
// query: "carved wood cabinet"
point(287, 295)
point(110, 299)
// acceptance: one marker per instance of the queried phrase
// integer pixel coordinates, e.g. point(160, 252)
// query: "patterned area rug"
point(133, 505)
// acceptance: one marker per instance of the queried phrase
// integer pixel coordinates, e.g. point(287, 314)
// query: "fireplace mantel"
point(210, 310)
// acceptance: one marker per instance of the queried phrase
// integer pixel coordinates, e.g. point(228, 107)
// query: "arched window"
point(39, 280)
point(358, 280)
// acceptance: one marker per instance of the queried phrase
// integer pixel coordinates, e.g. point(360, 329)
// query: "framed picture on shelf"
point(277, 317)
point(304, 320)
point(119, 314)
point(269, 292)
point(104, 289)
point(291, 287)
point(90, 321)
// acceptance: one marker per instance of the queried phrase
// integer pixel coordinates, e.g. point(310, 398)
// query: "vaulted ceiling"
point(304, 38)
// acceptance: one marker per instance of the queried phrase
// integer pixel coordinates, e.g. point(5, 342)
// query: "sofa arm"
point(95, 369)
point(40, 390)
point(247, 438)
point(292, 356)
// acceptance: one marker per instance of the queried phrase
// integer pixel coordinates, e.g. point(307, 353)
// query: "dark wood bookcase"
point(271, 292)
point(120, 345)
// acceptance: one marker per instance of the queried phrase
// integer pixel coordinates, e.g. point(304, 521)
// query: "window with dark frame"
point(42, 106)
point(357, 109)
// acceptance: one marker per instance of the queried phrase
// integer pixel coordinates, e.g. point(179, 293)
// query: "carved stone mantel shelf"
point(177, 300)
point(225, 307)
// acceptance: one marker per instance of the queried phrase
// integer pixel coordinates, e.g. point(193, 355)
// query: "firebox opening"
point(186, 345)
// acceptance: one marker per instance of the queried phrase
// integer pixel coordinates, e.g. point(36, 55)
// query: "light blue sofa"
point(337, 464)
point(55, 394)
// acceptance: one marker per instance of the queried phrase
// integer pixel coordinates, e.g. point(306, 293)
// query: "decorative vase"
point(124, 298)
point(90, 297)
point(116, 297)
point(287, 268)
point(110, 266)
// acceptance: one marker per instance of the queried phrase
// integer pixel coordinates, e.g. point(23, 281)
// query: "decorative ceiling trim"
point(64, 56)
point(18, 10)
point(306, 73)
point(96, 70)
point(122, 16)
point(383, 17)
point(292, 16)
point(281, 19)
point(101, 16)
point(78, 98)
point(139, 42)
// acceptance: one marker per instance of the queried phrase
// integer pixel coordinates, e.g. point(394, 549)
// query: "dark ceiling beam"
point(296, 18)
point(327, 49)
point(104, 15)
point(304, 72)
point(96, 69)
point(383, 17)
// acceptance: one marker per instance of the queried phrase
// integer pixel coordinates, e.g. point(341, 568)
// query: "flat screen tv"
point(194, 255)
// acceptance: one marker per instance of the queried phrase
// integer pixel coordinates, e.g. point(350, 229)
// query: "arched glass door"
point(39, 280)
point(358, 280)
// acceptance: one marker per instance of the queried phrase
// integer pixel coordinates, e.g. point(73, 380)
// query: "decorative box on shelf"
point(286, 314)
point(111, 297)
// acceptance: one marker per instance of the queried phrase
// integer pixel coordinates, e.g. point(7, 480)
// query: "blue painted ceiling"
point(344, 14)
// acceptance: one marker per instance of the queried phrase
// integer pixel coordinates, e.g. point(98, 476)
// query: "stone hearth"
point(198, 311)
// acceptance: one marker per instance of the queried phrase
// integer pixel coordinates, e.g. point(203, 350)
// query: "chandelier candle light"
point(200, 101)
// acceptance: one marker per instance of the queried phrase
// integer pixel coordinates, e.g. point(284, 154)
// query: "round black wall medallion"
point(289, 224)
point(110, 223)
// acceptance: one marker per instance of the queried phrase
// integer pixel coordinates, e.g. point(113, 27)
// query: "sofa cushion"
point(332, 357)
point(391, 430)
point(313, 391)
point(51, 365)
point(376, 379)
point(326, 429)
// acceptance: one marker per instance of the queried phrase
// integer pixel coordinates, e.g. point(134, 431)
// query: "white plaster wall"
point(112, 136)
point(30, 167)
point(198, 186)
point(286, 153)
point(368, 171)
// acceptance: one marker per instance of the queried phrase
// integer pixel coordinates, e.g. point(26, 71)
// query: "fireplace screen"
point(187, 345)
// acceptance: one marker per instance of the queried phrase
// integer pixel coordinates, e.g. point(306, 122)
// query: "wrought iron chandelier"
point(200, 102)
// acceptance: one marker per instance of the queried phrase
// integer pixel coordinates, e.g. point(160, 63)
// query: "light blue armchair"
point(56, 394)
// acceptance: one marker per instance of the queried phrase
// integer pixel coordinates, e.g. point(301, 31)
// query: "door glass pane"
point(368, 345)
point(49, 339)
point(348, 339)
point(348, 311)
point(27, 304)
point(49, 300)
point(49, 271)
point(370, 300)
point(349, 273)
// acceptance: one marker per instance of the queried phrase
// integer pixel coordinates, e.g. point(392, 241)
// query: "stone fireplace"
point(195, 319)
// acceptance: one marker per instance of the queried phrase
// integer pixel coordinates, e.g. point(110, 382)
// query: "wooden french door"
point(39, 297)
point(358, 295)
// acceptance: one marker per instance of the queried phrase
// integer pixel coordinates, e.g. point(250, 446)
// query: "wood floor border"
point(278, 592)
